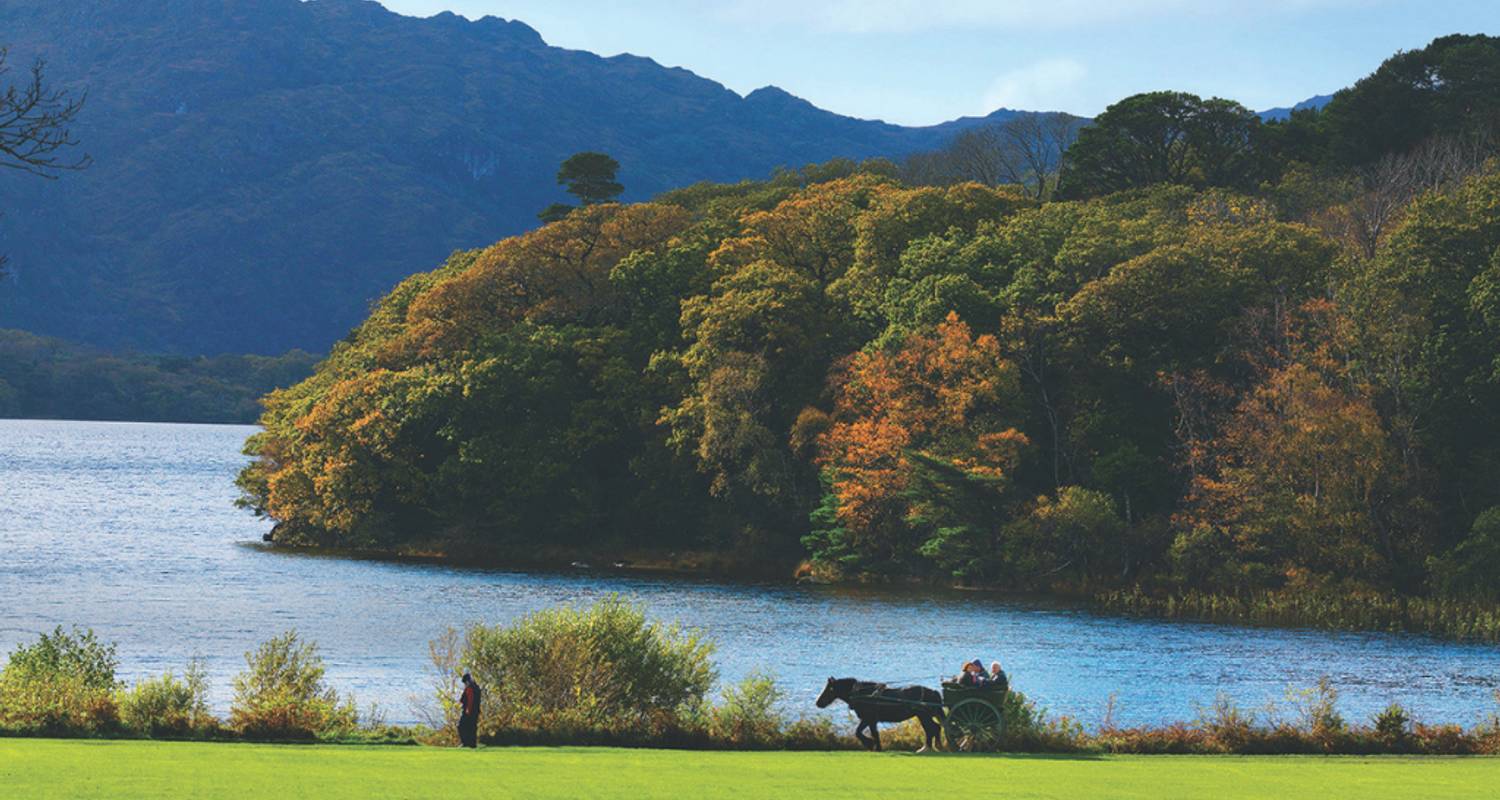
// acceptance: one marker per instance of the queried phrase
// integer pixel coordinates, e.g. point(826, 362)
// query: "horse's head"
point(835, 689)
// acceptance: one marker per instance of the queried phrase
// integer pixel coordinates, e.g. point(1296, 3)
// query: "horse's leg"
point(875, 732)
point(859, 733)
point(928, 726)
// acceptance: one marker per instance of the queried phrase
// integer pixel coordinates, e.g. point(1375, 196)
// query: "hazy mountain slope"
point(265, 168)
point(1315, 103)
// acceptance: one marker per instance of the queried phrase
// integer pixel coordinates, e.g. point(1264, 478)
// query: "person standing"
point(468, 717)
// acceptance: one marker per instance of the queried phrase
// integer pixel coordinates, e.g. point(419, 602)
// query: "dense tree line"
point(43, 378)
point(1447, 93)
point(1197, 375)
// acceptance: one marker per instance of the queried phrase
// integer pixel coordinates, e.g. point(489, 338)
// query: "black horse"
point(875, 703)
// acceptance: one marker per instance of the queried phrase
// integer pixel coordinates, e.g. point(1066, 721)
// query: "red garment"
point(469, 702)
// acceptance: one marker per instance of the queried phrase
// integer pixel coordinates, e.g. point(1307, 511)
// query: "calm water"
point(129, 528)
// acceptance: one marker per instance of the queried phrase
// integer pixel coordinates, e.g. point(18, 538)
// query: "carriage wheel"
point(973, 725)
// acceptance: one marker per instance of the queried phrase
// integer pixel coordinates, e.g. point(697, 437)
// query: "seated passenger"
point(997, 679)
point(972, 675)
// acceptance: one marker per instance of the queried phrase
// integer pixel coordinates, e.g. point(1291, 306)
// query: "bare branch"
point(35, 122)
point(1026, 151)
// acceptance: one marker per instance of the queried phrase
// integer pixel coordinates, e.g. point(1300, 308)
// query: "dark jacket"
point(468, 702)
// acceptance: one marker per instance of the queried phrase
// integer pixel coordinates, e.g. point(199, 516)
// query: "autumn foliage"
point(1168, 388)
point(944, 395)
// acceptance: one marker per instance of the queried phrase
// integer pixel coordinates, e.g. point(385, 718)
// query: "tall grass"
point(1465, 620)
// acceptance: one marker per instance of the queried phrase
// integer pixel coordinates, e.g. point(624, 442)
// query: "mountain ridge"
point(260, 156)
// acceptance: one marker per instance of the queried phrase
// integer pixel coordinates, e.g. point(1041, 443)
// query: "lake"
point(130, 529)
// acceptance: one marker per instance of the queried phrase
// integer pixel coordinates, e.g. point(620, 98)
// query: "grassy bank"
point(38, 768)
point(1463, 620)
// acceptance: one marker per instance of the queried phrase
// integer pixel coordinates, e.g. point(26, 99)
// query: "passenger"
point(972, 675)
point(997, 679)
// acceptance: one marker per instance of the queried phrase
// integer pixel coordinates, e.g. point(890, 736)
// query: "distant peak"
point(514, 30)
point(775, 96)
point(771, 92)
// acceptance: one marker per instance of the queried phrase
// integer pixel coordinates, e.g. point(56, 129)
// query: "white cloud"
point(908, 16)
point(1042, 86)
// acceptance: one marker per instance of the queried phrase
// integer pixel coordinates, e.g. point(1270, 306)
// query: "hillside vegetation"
point(1179, 385)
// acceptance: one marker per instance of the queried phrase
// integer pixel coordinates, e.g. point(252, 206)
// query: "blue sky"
point(925, 61)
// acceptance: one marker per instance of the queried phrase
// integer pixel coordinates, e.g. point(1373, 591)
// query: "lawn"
point(38, 768)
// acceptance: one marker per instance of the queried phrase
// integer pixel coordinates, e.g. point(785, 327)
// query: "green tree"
point(1427, 312)
point(1474, 565)
point(1450, 86)
point(1164, 137)
point(590, 177)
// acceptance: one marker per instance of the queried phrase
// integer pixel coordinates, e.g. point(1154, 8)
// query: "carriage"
point(971, 716)
point(974, 713)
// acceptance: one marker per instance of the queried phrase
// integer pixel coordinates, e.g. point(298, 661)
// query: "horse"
point(874, 703)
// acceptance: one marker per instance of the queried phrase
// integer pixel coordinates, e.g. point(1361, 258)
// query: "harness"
point(882, 695)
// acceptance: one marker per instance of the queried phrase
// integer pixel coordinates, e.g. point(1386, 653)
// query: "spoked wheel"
point(973, 725)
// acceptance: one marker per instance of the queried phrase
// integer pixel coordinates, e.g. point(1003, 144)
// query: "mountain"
point(264, 169)
point(1314, 103)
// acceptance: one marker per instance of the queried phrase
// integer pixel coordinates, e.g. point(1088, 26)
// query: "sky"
point(919, 62)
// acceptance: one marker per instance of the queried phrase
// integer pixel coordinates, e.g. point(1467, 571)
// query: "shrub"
point(1228, 728)
point(61, 685)
point(167, 705)
point(1393, 725)
point(78, 653)
point(282, 694)
point(1317, 710)
point(578, 672)
point(816, 733)
point(748, 713)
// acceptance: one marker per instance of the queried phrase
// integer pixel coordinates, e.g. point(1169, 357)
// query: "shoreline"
point(1443, 619)
point(682, 563)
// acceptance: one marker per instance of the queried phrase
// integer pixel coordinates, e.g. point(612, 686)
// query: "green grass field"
point(39, 768)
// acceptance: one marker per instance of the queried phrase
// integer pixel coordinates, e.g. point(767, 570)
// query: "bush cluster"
point(282, 694)
point(64, 684)
point(602, 670)
point(606, 674)
point(167, 706)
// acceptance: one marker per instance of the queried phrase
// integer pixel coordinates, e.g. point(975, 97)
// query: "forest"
point(46, 378)
point(1192, 352)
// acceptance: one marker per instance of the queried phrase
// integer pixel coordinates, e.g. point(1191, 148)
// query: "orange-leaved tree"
point(1304, 486)
point(941, 400)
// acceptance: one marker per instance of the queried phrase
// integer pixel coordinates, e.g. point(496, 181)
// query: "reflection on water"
point(129, 528)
